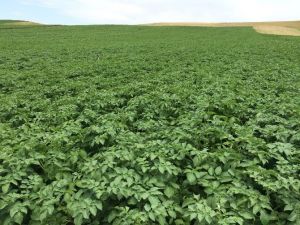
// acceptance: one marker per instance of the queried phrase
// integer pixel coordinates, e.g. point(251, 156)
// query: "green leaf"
point(18, 218)
point(161, 169)
point(191, 178)
point(211, 171)
point(161, 220)
point(147, 207)
point(172, 214)
point(13, 211)
point(292, 217)
point(78, 220)
point(151, 216)
point(193, 216)
point(200, 217)
point(132, 201)
point(154, 201)
point(85, 214)
point(179, 222)
point(256, 209)
point(99, 205)
point(145, 195)
point(93, 210)
point(3, 204)
point(43, 215)
point(218, 170)
point(112, 216)
point(169, 192)
point(5, 188)
point(264, 217)
point(288, 208)
point(208, 219)
point(247, 215)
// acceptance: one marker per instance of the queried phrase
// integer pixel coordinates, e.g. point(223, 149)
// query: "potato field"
point(140, 125)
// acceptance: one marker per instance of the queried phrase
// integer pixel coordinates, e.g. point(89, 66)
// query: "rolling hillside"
point(17, 23)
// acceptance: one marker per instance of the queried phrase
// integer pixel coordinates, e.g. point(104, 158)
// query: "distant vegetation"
point(149, 125)
point(9, 21)
point(16, 23)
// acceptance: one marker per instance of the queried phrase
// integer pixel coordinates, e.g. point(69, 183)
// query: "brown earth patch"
point(277, 30)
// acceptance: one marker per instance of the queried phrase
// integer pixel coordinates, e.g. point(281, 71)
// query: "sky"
point(148, 11)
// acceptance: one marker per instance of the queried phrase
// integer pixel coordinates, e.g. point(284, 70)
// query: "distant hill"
point(9, 23)
point(278, 28)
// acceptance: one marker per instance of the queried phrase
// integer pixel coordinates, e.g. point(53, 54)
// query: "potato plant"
point(130, 125)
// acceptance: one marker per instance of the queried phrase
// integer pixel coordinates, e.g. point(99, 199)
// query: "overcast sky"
point(147, 11)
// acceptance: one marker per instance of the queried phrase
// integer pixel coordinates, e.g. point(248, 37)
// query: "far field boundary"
point(291, 28)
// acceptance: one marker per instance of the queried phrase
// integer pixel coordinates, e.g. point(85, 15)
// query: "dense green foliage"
point(149, 125)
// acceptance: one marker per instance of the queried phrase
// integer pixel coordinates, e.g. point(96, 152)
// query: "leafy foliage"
point(149, 125)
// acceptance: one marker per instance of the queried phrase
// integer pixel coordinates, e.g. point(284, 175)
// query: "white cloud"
point(146, 11)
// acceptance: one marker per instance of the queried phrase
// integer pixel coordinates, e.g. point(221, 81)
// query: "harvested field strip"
point(291, 28)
